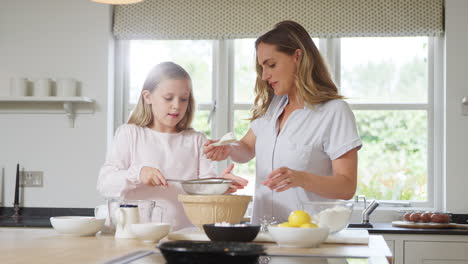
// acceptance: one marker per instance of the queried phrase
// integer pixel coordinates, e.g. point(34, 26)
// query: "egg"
point(444, 218)
point(426, 217)
point(415, 217)
point(406, 217)
point(436, 218)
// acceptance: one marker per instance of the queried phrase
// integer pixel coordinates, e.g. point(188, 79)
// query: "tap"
point(357, 197)
point(368, 210)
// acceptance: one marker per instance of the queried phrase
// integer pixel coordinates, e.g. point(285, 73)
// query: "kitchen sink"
point(367, 225)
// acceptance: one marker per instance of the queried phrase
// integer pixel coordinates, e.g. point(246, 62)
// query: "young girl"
point(158, 143)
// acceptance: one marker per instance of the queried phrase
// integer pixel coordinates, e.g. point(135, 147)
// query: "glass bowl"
point(334, 215)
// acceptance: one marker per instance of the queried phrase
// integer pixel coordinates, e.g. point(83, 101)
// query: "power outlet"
point(31, 179)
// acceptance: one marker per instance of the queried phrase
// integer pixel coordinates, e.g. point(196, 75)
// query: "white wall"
point(55, 38)
point(456, 34)
point(60, 38)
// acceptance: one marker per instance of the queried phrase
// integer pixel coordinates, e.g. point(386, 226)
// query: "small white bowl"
point(77, 225)
point(150, 232)
point(298, 237)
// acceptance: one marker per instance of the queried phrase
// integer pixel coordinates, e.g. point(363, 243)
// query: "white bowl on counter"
point(77, 225)
point(151, 232)
point(298, 237)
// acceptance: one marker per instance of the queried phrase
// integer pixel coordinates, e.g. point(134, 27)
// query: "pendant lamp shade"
point(117, 2)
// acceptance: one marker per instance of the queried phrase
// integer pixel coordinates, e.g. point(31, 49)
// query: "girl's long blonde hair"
point(313, 80)
point(142, 114)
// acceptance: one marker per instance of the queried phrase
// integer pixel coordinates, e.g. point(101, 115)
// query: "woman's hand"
point(238, 182)
point(152, 177)
point(284, 178)
point(216, 153)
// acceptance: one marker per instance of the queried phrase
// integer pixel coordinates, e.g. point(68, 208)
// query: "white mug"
point(42, 87)
point(18, 86)
point(66, 87)
point(127, 215)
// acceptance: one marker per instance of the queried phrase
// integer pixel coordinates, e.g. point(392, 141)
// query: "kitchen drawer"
point(439, 252)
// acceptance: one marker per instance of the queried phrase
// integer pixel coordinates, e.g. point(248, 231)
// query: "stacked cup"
point(42, 87)
point(66, 87)
point(18, 86)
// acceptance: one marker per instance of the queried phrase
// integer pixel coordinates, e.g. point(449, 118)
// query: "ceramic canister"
point(18, 86)
point(66, 87)
point(127, 215)
point(42, 87)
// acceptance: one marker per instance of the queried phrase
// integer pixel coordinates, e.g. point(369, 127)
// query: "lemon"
point(298, 218)
point(285, 224)
point(309, 225)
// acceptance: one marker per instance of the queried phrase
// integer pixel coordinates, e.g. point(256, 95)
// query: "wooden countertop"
point(44, 245)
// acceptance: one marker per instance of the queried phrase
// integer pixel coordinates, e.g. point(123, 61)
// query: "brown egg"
point(435, 217)
point(406, 217)
point(426, 217)
point(444, 218)
point(415, 217)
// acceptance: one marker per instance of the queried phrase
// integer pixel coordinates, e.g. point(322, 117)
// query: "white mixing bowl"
point(77, 225)
point(298, 237)
point(150, 232)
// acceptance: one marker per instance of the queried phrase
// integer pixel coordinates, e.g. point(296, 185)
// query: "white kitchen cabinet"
point(428, 249)
point(436, 252)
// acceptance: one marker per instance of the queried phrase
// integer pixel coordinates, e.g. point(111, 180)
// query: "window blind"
point(227, 19)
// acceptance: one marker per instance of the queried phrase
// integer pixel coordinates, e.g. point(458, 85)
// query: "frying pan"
point(195, 252)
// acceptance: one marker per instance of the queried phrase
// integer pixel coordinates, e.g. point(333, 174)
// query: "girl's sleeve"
point(119, 175)
point(206, 167)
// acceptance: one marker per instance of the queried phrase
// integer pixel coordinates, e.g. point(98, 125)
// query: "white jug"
point(127, 215)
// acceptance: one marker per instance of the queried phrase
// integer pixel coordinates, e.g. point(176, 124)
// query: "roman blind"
point(227, 19)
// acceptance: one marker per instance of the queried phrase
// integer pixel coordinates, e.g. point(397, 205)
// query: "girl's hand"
point(238, 182)
point(216, 153)
point(283, 178)
point(152, 177)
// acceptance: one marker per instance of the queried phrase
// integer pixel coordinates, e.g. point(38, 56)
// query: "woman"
point(302, 133)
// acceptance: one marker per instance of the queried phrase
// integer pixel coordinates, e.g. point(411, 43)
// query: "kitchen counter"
point(25, 222)
point(387, 228)
point(44, 245)
point(38, 216)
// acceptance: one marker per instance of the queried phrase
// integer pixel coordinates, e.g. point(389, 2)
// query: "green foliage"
point(200, 122)
point(392, 162)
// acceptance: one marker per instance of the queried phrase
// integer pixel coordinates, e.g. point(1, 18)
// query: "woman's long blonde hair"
point(142, 114)
point(313, 80)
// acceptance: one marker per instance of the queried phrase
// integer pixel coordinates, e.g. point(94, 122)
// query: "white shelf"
point(67, 103)
point(76, 99)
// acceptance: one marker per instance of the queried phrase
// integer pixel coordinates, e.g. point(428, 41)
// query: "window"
point(389, 83)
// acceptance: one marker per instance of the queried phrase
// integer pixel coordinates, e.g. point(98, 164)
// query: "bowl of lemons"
point(299, 231)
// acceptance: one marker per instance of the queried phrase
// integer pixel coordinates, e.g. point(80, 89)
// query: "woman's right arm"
point(242, 151)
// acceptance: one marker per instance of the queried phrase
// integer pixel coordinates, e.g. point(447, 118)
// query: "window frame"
point(222, 104)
